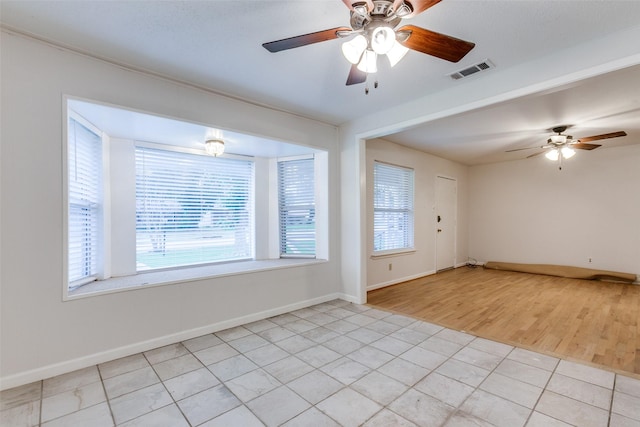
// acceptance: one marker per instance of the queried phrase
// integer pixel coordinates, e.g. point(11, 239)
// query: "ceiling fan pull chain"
point(560, 161)
point(366, 89)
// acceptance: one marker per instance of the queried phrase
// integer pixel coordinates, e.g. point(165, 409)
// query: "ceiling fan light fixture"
point(353, 49)
point(214, 147)
point(382, 40)
point(368, 63)
point(396, 53)
point(568, 152)
point(552, 154)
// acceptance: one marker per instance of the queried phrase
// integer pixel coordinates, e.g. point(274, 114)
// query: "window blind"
point(191, 209)
point(84, 151)
point(296, 201)
point(393, 207)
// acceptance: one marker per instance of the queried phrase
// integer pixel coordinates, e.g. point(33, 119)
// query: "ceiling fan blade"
point(527, 148)
point(603, 136)
point(356, 76)
point(351, 3)
point(303, 40)
point(436, 44)
point(581, 146)
point(420, 6)
point(533, 155)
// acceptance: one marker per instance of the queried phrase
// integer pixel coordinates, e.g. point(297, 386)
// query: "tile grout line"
point(613, 394)
point(106, 396)
point(41, 399)
point(541, 393)
point(222, 383)
point(165, 387)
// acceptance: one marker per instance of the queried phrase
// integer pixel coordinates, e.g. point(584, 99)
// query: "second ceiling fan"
point(561, 146)
point(373, 27)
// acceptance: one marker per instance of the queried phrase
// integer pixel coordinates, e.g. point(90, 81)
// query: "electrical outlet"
point(589, 260)
point(391, 266)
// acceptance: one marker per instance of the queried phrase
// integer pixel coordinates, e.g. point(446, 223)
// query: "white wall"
point(40, 334)
point(426, 168)
point(529, 211)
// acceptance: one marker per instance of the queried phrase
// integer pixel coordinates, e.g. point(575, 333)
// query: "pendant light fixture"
point(214, 147)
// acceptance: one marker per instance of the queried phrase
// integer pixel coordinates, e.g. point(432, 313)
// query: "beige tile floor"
point(334, 364)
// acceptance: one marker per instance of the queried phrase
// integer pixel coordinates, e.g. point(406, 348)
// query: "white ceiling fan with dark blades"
point(561, 146)
point(373, 33)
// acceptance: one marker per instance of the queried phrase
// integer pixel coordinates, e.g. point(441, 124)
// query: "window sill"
point(387, 254)
point(182, 275)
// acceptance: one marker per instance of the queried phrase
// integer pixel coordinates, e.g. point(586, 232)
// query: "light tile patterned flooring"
point(333, 364)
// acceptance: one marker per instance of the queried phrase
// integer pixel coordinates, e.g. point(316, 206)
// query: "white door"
point(446, 202)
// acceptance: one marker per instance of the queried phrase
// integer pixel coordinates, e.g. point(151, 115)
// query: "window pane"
point(392, 207)
point(191, 209)
point(296, 197)
point(84, 195)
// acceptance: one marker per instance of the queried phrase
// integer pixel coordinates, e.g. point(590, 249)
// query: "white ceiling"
point(594, 106)
point(217, 45)
point(127, 124)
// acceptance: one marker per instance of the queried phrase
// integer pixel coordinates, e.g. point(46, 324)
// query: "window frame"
point(282, 232)
point(102, 202)
point(205, 158)
point(409, 239)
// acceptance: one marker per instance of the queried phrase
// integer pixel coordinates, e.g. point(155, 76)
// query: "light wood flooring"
point(588, 321)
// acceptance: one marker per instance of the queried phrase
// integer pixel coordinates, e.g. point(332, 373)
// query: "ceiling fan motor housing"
point(382, 14)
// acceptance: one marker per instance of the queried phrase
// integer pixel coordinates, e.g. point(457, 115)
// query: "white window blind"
point(84, 150)
point(393, 207)
point(191, 209)
point(296, 200)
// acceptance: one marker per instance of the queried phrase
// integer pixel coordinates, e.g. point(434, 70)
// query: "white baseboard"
point(474, 262)
point(349, 298)
point(400, 280)
point(49, 371)
point(407, 278)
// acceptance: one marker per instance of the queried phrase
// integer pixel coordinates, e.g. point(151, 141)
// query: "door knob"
point(439, 230)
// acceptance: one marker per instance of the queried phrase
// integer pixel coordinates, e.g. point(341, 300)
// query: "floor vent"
point(484, 65)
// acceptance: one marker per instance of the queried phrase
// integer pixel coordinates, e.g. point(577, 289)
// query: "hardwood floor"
point(581, 320)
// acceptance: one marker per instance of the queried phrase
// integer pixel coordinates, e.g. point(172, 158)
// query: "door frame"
point(455, 221)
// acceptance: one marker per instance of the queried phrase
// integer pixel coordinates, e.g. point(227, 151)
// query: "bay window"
point(143, 212)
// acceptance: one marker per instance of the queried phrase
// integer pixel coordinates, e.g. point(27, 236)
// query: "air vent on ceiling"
point(484, 65)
